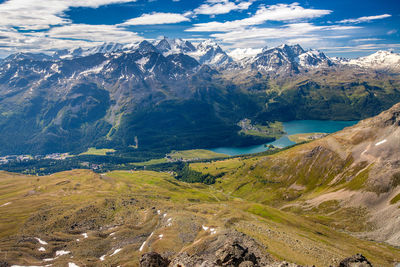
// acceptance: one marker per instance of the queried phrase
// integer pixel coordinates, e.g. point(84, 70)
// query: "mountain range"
point(177, 94)
point(269, 59)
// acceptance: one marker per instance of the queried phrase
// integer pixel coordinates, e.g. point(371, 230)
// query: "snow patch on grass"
point(116, 251)
point(41, 241)
point(62, 252)
point(381, 142)
point(144, 243)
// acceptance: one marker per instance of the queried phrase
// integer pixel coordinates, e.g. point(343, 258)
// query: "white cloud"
point(365, 19)
point(63, 37)
point(36, 15)
point(287, 31)
point(57, 32)
point(304, 40)
point(99, 33)
point(303, 33)
point(279, 12)
point(366, 40)
point(157, 18)
point(215, 7)
point(367, 48)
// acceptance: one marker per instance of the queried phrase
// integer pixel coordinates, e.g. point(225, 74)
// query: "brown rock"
point(357, 260)
point(153, 259)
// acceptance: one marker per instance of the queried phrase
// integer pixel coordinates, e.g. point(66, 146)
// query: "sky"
point(346, 28)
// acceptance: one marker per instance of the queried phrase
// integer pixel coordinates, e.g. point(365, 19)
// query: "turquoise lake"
point(290, 127)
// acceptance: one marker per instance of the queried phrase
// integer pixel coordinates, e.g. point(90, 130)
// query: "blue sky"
point(339, 28)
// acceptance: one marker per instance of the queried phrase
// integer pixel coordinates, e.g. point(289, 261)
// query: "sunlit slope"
point(348, 180)
point(112, 219)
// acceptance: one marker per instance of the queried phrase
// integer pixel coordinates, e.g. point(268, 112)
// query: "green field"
point(150, 162)
point(194, 154)
point(98, 152)
point(182, 155)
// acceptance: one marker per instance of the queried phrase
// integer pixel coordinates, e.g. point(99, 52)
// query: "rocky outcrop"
point(153, 259)
point(357, 260)
point(229, 248)
point(233, 255)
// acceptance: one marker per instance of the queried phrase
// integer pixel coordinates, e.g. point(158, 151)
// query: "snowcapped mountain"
point(80, 52)
point(281, 60)
point(381, 60)
point(210, 53)
point(207, 52)
point(314, 58)
point(242, 53)
point(27, 56)
point(169, 46)
point(287, 59)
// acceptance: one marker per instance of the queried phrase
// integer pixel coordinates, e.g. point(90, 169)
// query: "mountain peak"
point(209, 43)
point(380, 60)
point(287, 59)
point(146, 46)
point(169, 46)
point(209, 52)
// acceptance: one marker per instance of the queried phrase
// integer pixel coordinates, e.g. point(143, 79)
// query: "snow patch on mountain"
point(142, 63)
point(168, 46)
point(241, 53)
point(209, 52)
point(380, 60)
point(95, 70)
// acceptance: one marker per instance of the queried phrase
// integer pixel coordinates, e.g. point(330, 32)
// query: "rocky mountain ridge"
point(278, 59)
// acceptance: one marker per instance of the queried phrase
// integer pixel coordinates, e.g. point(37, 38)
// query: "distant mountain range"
point(209, 52)
point(172, 94)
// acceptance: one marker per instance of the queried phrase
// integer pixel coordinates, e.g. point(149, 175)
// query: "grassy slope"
point(126, 204)
point(195, 154)
point(150, 162)
point(286, 179)
point(250, 178)
point(98, 152)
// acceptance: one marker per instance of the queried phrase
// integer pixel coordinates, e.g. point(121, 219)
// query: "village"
point(20, 158)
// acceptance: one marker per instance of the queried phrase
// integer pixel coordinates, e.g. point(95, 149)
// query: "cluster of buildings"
point(92, 166)
point(174, 159)
point(20, 158)
point(10, 158)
